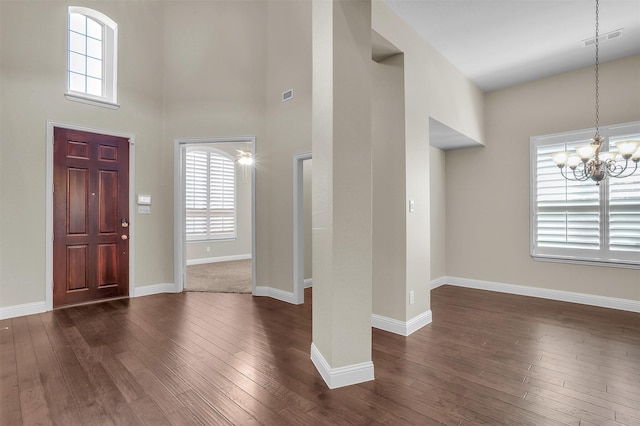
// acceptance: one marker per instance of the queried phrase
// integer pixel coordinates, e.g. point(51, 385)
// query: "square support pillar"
point(342, 191)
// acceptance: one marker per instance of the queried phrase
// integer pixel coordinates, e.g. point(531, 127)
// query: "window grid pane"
point(77, 82)
point(94, 29)
point(77, 63)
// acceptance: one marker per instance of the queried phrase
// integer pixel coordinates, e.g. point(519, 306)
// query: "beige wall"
point(488, 188)
point(215, 89)
point(307, 183)
point(438, 213)
point(32, 84)
point(433, 88)
point(288, 132)
point(389, 183)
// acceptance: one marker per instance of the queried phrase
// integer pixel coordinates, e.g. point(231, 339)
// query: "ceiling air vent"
point(287, 95)
point(603, 37)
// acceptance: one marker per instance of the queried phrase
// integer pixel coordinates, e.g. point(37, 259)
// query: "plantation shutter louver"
point(568, 213)
point(210, 195)
point(624, 210)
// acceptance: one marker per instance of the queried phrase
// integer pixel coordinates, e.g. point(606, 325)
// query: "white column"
point(342, 193)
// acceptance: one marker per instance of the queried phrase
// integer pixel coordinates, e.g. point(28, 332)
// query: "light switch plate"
point(144, 209)
point(144, 199)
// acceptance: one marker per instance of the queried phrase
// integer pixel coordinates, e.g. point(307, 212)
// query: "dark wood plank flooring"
point(219, 359)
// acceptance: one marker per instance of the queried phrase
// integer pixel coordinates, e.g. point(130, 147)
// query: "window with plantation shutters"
point(581, 221)
point(210, 192)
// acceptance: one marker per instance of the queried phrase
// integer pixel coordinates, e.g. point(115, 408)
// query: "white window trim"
point(110, 73)
point(576, 256)
point(230, 236)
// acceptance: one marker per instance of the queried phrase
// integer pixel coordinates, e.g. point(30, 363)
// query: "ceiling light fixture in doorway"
point(244, 158)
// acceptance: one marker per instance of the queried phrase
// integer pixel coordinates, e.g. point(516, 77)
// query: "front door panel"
point(90, 217)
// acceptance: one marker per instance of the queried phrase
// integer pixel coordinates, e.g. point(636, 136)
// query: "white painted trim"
point(544, 293)
point(438, 282)
point(147, 290)
point(403, 328)
point(90, 101)
point(276, 293)
point(217, 259)
point(298, 226)
point(419, 321)
point(40, 307)
point(341, 376)
point(49, 203)
point(308, 282)
point(22, 310)
point(179, 260)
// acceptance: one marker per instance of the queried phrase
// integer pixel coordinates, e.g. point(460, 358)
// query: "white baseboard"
point(148, 290)
point(308, 282)
point(276, 293)
point(218, 259)
point(341, 376)
point(40, 307)
point(403, 328)
point(544, 293)
point(438, 282)
point(22, 310)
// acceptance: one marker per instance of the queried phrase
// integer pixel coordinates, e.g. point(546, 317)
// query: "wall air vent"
point(287, 95)
point(603, 37)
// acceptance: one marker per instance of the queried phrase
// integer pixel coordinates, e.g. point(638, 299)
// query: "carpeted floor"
point(220, 277)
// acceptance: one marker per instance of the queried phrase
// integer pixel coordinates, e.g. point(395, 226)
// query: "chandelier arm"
point(565, 175)
point(576, 178)
point(615, 170)
point(623, 169)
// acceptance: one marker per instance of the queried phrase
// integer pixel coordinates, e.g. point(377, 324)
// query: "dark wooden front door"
point(90, 217)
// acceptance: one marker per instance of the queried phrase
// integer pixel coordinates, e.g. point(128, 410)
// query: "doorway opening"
point(215, 215)
point(302, 247)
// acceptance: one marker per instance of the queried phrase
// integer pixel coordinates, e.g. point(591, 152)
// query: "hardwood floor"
point(203, 358)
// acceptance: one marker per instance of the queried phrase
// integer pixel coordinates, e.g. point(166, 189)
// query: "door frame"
point(298, 226)
point(49, 167)
point(180, 239)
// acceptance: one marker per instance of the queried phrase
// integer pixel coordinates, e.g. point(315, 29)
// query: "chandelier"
point(597, 165)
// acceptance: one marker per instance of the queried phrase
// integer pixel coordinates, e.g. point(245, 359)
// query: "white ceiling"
point(499, 43)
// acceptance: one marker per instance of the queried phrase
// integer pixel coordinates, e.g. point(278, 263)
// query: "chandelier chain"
point(597, 70)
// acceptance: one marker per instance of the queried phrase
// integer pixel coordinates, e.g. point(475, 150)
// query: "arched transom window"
point(91, 57)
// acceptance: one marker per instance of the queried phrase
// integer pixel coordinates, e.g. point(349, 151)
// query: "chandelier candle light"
point(597, 165)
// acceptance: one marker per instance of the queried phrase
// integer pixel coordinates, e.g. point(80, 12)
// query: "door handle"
point(124, 237)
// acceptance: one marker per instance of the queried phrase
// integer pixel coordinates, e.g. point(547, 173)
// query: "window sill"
point(214, 240)
point(91, 101)
point(555, 259)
